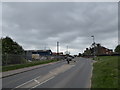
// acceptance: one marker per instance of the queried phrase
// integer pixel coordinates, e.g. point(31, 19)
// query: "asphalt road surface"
point(77, 74)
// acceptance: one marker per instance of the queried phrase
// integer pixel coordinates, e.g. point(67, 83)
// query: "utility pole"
point(45, 47)
point(67, 49)
point(93, 45)
point(57, 50)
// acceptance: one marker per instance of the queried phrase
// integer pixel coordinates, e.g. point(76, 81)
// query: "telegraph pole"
point(45, 47)
point(57, 50)
point(67, 50)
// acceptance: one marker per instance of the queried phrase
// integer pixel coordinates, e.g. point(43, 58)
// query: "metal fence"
point(12, 59)
point(19, 59)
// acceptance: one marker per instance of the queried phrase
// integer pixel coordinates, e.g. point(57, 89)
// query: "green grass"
point(18, 66)
point(105, 72)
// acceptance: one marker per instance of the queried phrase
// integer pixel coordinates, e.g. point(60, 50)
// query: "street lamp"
point(93, 45)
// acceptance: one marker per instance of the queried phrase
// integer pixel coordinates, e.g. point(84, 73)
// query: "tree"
point(0, 46)
point(0, 50)
point(117, 49)
point(11, 51)
point(79, 54)
point(98, 49)
point(11, 47)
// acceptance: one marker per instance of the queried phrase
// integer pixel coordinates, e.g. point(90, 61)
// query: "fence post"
point(6, 55)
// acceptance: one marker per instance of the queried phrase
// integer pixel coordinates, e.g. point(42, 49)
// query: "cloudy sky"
point(36, 25)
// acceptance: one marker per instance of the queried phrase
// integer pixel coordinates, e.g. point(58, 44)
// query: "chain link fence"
point(9, 59)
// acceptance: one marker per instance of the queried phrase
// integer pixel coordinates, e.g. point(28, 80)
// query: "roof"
point(38, 50)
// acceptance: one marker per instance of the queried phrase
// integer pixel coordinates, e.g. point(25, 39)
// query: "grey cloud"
point(36, 24)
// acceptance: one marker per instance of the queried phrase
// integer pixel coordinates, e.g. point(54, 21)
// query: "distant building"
point(36, 54)
point(60, 53)
point(42, 52)
point(99, 50)
point(104, 50)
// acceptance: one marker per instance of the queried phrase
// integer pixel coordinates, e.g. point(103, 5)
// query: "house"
point(99, 50)
point(106, 51)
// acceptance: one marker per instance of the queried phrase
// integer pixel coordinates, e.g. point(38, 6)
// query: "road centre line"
point(36, 81)
point(54, 72)
point(26, 82)
point(42, 82)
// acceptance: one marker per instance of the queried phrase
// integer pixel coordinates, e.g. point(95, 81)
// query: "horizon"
point(45, 48)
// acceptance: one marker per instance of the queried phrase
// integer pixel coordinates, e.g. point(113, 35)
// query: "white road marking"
point(43, 82)
point(52, 73)
point(36, 81)
point(44, 79)
point(26, 82)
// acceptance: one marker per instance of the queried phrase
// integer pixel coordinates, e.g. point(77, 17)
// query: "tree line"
point(12, 52)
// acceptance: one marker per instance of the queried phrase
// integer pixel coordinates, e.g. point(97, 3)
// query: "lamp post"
point(93, 46)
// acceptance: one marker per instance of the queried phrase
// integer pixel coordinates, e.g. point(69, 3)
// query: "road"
point(77, 74)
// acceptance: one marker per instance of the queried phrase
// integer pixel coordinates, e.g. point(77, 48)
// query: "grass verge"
point(18, 66)
point(105, 72)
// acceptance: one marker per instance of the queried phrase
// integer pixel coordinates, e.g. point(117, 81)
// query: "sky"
point(39, 25)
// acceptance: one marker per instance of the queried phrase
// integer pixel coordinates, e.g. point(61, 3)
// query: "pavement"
point(77, 74)
point(13, 72)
